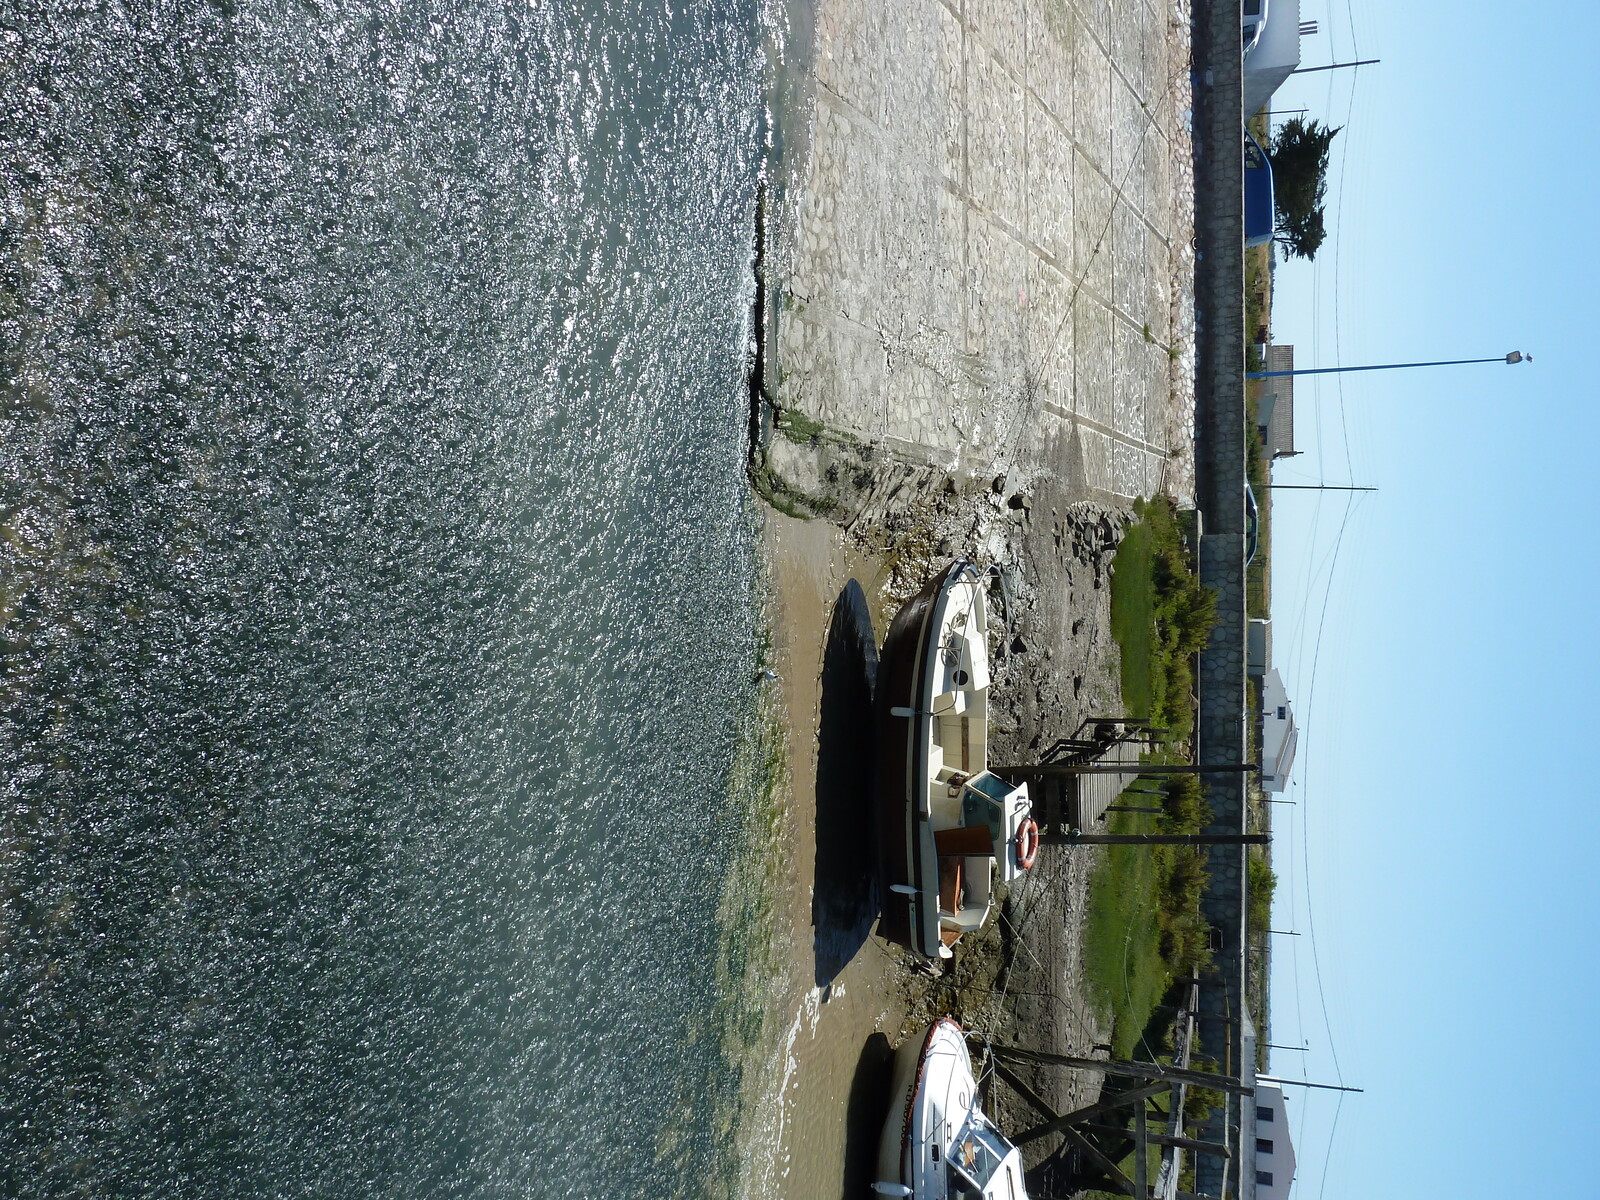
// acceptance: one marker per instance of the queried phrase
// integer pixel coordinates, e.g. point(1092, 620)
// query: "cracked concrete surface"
point(991, 269)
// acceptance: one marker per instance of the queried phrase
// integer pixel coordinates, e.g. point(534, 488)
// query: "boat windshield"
point(978, 1166)
point(992, 786)
point(983, 802)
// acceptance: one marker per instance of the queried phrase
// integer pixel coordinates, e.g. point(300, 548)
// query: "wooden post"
point(1113, 1173)
point(1134, 1070)
point(1020, 1086)
point(1081, 1116)
point(1141, 1153)
point(1332, 1087)
point(1089, 1149)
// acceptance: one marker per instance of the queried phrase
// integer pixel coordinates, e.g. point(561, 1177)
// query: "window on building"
point(1263, 1145)
point(1264, 1178)
point(1263, 1113)
point(1283, 713)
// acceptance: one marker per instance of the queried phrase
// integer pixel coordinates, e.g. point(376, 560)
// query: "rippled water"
point(378, 608)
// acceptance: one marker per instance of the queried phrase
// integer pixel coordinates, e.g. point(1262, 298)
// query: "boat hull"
point(932, 1091)
point(904, 841)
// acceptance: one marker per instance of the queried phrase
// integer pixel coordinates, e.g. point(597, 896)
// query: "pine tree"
point(1299, 158)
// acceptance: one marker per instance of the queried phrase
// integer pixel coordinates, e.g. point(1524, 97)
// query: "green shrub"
point(1184, 805)
point(1200, 1102)
point(1144, 927)
point(1262, 883)
point(1161, 616)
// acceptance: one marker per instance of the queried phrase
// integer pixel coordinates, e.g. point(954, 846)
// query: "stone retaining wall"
point(1220, 451)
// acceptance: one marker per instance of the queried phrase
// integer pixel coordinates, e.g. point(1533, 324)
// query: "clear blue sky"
point(1438, 637)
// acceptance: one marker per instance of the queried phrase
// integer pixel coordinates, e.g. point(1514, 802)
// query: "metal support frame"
point(1076, 1126)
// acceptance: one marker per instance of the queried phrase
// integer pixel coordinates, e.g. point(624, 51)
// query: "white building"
point(1265, 1152)
point(1279, 736)
point(1275, 413)
point(1274, 57)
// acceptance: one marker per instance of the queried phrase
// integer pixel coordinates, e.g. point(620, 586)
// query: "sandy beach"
point(847, 994)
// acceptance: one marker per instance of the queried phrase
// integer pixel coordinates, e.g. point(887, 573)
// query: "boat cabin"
point(983, 1165)
point(976, 820)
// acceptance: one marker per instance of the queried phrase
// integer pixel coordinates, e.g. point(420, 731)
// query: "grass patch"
point(1133, 615)
point(1161, 615)
point(1144, 928)
point(1121, 947)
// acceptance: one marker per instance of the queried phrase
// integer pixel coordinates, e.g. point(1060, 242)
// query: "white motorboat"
point(949, 826)
point(937, 1144)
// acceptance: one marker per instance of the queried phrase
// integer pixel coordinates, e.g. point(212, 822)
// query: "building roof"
point(1279, 735)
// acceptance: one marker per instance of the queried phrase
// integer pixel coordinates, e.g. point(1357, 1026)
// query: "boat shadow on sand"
point(870, 1092)
point(845, 898)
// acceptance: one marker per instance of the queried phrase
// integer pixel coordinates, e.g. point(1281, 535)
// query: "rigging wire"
point(1311, 939)
point(1352, 502)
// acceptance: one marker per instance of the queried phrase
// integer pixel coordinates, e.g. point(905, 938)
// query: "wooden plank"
point(1057, 1124)
point(1141, 1153)
point(1035, 1101)
point(1110, 1169)
point(1165, 1139)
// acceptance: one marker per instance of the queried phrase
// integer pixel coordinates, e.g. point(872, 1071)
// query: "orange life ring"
point(1027, 843)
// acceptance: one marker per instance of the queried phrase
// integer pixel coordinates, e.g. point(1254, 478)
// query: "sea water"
point(380, 627)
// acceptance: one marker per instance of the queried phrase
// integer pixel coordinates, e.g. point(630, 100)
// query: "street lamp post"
point(1513, 358)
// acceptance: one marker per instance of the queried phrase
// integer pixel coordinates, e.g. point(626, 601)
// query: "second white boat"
point(937, 1144)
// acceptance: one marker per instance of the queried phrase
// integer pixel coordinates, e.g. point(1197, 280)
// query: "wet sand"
point(817, 1104)
point(848, 994)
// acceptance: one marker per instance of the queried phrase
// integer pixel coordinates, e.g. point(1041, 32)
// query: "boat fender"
point(1027, 843)
point(891, 1189)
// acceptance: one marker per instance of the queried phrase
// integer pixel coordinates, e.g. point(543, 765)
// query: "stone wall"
point(1220, 428)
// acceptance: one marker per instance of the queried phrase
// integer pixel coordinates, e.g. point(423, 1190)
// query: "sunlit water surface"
point(380, 630)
